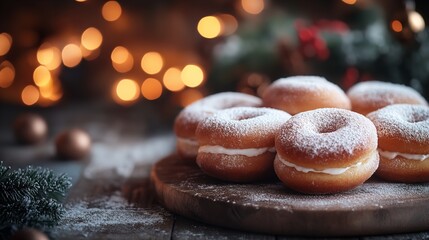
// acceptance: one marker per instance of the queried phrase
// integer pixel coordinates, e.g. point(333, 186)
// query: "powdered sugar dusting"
point(327, 131)
point(383, 93)
point(241, 122)
point(107, 214)
point(308, 83)
point(373, 193)
point(120, 159)
point(410, 122)
point(205, 107)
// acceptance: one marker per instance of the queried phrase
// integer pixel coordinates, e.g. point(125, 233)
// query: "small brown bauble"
point(29, 234)
point(30, 128)
point(73, 144)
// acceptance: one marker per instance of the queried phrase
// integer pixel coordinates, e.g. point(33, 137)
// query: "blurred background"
point(162, 55)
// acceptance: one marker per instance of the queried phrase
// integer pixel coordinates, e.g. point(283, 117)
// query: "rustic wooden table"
point(112, 196)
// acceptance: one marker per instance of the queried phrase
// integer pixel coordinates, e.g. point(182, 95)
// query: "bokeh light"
point(127, 90)
point(350, 2)
point(192, 75)
point(122, 60)
point(41, 76)
point(253, 6)
point(209, 27)
point(7, 74)
point(30, 95)
point(152, 62)
point(49, 56)
point(396, 26)
point(229, 23)
point(417, 23)
point(71, 55)
point(91, 38)
point(189, 96)
point(172, 80)
point(111, 11)
point(151, 89)
point(5, 43)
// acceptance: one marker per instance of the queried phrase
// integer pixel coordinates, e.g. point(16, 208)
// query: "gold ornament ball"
point(30, 128)
point(29, 234)
point(73, 144)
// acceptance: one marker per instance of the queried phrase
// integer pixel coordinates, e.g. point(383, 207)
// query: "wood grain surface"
point(374, 208)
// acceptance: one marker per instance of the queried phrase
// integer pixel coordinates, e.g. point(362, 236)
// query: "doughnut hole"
point(241, 128)
point(188, 119)
point(326, 138)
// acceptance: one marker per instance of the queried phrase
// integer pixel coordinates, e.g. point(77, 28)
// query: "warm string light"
point(111, 11)
point(172, 80)
point(151, 89)
point(417, 23)
point(47, 87)
point(396, 26)
point(49, 56)
point(71, 55)
point(152, 63)
point(91, 39)
point(209, 27)
point(349, 2)
point(30, 95)
point(7, 74)
point(126, 91)
point(122, 60)
point(253, 6)
point(5, 43)
point(192, 75)
point(229, 23)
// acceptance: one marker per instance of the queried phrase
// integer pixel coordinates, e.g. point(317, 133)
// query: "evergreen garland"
point(30, 197)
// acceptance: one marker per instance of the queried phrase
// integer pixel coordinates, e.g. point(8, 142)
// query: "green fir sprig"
point(30, 197)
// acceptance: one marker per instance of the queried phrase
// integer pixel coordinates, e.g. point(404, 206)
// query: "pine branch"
point(30, 197)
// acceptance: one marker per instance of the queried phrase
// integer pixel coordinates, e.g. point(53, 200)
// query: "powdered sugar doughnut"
point(302, 93)
point(237, 144)
point(403, 142)
point(188, 119)
point(326, 151)
point(369, 96)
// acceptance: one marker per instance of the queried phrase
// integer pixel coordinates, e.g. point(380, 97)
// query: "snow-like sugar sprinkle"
point(239, 122)
point(383, 93)
point(205, 107)
point(308, 83)
point(410, 122)
point(370, 194)
point(327, 131)
point(107, 212)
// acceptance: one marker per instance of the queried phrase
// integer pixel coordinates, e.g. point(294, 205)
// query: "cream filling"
point(187, 141)
point(330, 171)
point(248, 152)
point(392, 155)
point(187, 147)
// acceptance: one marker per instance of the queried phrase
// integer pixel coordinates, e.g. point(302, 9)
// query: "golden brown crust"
point(237, 168)
point(400, 169)
point(294, 98)
point(402, 128)
point(365, 107)
point(370, 96)
point(322, 183)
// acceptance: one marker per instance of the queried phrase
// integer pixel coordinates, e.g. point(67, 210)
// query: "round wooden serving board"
point(376, 207)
